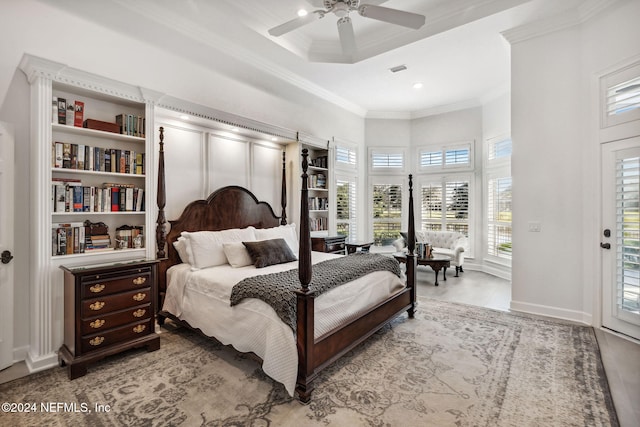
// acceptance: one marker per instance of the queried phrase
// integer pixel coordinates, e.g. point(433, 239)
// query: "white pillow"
point(181, 247)
point(286, 232)
point(204, 248)
point(237, 254)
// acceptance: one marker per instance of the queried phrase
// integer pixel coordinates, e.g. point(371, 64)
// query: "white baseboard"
point(41, 363)
point(555, 312)
point(20, 353)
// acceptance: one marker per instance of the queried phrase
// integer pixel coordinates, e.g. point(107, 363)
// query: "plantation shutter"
point(387, 213)
point(623, 97)
point(431, 206)
point(628, 232)
point(380, 160)
point(499, 217)
point(346, 219)
point(345, 156)
point(460, 156)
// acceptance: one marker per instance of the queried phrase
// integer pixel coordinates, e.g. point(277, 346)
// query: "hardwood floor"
point(620, 356)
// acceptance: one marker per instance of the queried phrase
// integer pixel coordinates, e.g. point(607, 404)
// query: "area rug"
point(453, 365)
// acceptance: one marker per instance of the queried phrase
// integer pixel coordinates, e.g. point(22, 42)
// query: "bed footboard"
point(313, 356)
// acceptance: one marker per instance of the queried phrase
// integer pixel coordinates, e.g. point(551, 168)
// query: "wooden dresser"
point(108, 308)
point(330, 244)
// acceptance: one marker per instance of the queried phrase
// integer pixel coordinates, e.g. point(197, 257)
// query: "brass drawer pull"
point(139, 328)
point(98, 323)
point(139, 280)
point(96, 341)
point(139, 296)
point(97, 288)
point(139, 312)
point(97, 306)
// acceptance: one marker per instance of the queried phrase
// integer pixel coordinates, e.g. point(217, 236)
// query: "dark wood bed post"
point(304, 297)
point(411, 258)
point(161, 200)
point(283, 199)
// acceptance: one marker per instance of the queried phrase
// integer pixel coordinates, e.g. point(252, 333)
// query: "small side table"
point(437, 263)
point(352, 247)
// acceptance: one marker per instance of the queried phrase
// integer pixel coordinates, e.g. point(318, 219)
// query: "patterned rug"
point(453, 365)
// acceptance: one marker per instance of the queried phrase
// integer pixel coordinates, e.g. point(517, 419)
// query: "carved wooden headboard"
point(228, 207)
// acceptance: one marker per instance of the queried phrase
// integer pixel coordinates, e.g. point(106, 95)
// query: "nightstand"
point(108, 308)
point(330, 244)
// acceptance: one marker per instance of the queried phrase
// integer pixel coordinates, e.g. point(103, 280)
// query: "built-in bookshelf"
point(318, 183)
point(98, 171)
point(94, 102)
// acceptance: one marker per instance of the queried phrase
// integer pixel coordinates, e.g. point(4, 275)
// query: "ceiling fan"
point(342, 8)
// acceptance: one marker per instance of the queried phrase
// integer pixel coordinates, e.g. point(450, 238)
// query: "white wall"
point(32, 27)
point(554, 163)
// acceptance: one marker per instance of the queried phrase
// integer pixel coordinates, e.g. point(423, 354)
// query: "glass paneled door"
point(620, 238)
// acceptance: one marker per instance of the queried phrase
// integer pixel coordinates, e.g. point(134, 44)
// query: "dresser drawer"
point(111, 283)
point(96, 306)
point(335, 247)
point(102, 323)
point(115, 336)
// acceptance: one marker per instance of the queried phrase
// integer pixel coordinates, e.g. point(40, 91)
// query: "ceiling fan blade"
point(294, 23)
point(393, 16)
point(347, 37)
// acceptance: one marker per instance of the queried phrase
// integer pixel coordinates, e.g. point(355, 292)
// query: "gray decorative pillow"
point(269, 252)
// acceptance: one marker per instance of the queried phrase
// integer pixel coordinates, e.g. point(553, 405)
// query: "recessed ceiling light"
point(302, 12)
point(417, 85)
point(235, 130)
point(184, 117)
point(274, 139)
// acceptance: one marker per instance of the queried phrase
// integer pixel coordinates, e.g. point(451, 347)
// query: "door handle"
point(6, 257)
point(605, 245)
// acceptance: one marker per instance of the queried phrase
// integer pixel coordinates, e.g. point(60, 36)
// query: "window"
point(386, 161)
point(499, 149)
point(620, 95)
point(387, 213)
point(450, 156)
point(346, 207)
point(498, 199)
point(623, 97)
point(345, 157)
point(499, 217)
point(457, 157)
point(445, 205)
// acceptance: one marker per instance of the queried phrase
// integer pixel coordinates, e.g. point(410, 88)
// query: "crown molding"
point(560, 21)
point(35, 67)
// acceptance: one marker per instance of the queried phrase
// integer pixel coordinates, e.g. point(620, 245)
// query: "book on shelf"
point(101, 125)
point(54, 110)
point(71, 113)
point(66, 155)
point(80, 161)
point(62, 111)
point(68, 238)
point(57, 162)
point(78, 114)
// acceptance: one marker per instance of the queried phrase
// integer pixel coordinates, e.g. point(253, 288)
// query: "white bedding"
point(201, 298)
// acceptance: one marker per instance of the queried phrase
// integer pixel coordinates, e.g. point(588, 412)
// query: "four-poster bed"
point(365, 303)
